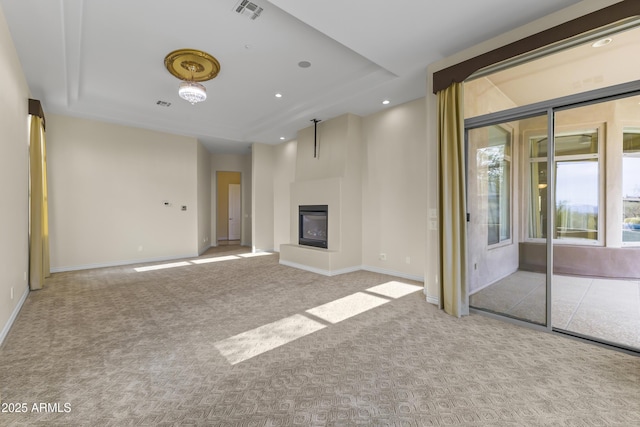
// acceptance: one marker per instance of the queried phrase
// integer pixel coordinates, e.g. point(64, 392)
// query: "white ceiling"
point(104, 59)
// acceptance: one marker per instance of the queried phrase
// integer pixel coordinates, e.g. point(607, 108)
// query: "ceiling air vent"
point(163, 103)
point(245, 7)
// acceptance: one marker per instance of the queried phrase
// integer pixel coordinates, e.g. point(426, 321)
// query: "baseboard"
point(120, 263)
point(12, 318)
point(433, 300)
point(393, 273)
point(319, 270)
point(205, 249)
point(351, 270)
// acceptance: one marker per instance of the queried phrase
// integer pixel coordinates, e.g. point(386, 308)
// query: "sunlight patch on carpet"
point(251, 343)
point(395, 289)
point(267, 337)
point(162, 266)
point(254, 254)
point(214, 259)
point(344, 308)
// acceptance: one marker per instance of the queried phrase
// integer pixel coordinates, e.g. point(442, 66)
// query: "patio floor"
point(601, 308)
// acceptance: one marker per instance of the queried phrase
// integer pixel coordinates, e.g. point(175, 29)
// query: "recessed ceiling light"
point(278, 95)
point(602, 42)
point(386, 101)
point(304, 64)
point(282, 138)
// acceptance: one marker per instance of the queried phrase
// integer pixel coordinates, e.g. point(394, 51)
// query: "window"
point(631, 187)
point(494, 162)
point(577, 190)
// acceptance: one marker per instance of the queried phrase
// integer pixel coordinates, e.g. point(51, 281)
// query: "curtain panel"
point(39, 221)
point(454, 298)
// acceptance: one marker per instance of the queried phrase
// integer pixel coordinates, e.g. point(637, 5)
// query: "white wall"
point(394, 198)
point(14, 162)
point(432, 254)
point(233, 163)
point(387, 153)
point(204, 199)
point(262, 197)
point(284, 174)
point(108, 184)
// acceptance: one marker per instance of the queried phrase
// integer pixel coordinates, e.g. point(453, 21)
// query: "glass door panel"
point(596, 276)
point(507, 220)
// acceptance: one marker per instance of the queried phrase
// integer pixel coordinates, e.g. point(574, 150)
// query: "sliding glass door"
point(596, 275)
point(554, 217)
point(507, 274)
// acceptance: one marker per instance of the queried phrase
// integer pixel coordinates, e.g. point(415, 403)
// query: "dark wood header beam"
point(35, 109)
point(461, 71)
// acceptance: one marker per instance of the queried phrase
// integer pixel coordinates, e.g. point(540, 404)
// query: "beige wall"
point(394, 200)
point(375, 182)
point(204, 199)
point(432, 255)
point(262, 197)
point(14, 162)
point(331, 178)
point(108, 184)
point(284, 175)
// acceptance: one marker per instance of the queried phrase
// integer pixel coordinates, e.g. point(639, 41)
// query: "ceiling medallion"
point(192, 66)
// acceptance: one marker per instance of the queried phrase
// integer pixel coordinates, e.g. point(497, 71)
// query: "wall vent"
point(245, 7)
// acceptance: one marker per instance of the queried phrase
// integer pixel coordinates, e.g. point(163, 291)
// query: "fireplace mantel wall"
point(333, 179)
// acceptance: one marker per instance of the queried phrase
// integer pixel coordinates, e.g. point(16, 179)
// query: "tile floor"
point(601, 308)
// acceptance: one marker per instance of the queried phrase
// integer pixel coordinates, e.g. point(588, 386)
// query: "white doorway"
point(235, 212)
point(228, 207)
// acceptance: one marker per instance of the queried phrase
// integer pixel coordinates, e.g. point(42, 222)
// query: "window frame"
point(635, 129)
point(508, 241)
point(598, 129)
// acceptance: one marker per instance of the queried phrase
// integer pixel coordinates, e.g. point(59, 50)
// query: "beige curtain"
point(452, 202)
point(39, 209)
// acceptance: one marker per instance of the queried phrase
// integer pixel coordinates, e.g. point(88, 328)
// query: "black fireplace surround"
point(312, 225)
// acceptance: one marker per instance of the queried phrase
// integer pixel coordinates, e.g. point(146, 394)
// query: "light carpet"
point(120, 347)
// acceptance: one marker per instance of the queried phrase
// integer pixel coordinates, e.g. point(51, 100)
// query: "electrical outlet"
point(383, 257)
point(407, 260)
point(12, 292)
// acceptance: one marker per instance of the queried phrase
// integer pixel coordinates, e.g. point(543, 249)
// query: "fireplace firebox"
point(312, 227)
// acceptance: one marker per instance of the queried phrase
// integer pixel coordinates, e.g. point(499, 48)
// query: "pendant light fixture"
point(192, 66)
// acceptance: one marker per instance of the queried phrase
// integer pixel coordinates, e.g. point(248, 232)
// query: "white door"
point(234, 212)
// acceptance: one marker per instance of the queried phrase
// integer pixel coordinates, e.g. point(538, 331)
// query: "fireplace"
point(312, 226)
